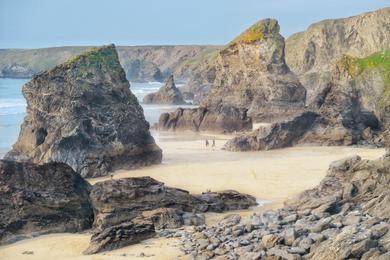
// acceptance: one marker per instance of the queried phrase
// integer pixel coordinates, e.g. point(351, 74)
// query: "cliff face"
point(251, 73)
point(167, 94)
point(352, 109)
point(311, 54)
point(141, 63)
point(82, 113)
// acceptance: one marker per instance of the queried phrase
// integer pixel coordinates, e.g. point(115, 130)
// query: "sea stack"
point(251, 73)
point(82, 113)
point(167, 94)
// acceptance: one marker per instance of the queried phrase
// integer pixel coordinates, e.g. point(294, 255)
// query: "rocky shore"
point(167, 94)
point(345, 217)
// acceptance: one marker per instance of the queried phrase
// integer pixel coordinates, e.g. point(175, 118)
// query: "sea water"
point(13, 108)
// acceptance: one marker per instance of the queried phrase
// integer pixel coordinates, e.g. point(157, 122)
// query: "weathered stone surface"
point(167, 94)
point(120, 235)
point(118, 201)
point(40, 199)
point(82, 113)
point(251, 73)
point(221, 120)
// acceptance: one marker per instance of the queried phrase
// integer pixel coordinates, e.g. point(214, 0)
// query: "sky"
point(47, 23)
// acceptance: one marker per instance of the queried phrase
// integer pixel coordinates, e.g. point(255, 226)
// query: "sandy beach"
point(270, 176)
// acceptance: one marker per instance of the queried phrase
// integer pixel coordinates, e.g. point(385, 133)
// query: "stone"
point(41, 199)
point(167, 94)
point(120, 235)
point(82, 113)
point(270, 240)
point(227, 200)
point(164, 218)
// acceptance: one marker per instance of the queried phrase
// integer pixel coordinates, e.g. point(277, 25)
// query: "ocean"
point(13, 108)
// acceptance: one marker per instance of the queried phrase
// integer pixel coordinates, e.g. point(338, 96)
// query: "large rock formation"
point(82, 113)
point(312, 53)
point(223, 119)
point(118, 201)
point(351, 109)
point(345, 217)
point(251, 73)
point(132, 209)
point(40, 199)
point(167, 94)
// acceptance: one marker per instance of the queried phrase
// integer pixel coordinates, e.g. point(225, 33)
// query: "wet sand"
point(270, 176)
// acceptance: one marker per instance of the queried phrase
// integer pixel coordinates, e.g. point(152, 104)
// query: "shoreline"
point(271, 176)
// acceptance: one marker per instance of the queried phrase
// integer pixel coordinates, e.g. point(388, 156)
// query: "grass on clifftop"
point(380, 61)
point(103, 58)
point(257, 32)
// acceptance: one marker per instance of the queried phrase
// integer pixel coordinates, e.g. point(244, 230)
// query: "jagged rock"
point(41, 199)
point(120, 235)
point(118, 201)
point(167, 94)
point(165, 218)
point(82, 113)
point(222, 120)
point(251, 73)
point(281, 135)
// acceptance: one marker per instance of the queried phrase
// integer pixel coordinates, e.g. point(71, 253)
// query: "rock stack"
point(167, 94)
point(82, 113)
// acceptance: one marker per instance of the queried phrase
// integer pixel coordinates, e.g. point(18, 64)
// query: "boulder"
point(167, 94)
point(120, 236)
point(83, 114)
point(41, 199)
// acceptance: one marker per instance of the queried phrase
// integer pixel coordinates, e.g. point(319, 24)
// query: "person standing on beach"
point(207, 143)
point(213, 145)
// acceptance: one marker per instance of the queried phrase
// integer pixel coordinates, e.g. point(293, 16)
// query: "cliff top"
point(258, 32)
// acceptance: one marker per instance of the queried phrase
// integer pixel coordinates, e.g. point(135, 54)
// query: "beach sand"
point(270, 176)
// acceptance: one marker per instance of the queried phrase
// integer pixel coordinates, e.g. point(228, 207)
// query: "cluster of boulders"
point(345, 217)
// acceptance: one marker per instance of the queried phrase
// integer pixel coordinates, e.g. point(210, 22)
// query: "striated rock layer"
point(40, 199)
point(82, 113)
point(167, 94)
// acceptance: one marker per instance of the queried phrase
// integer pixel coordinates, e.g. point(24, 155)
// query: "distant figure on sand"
point(213, 145)
point(207, 143)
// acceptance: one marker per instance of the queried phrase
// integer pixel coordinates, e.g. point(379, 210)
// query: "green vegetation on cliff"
point(378, 61)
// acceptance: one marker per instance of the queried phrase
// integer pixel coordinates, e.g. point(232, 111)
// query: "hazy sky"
point(43, 23)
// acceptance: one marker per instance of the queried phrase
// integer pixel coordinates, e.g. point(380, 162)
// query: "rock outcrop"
point(312, 53)
point(345, 217)
point(132, 209)
point(82, 113)
point(351, 109)
point(222, 119)
point(251, 73)
point(118, 201)
point(167, 94)
point(41, 199)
